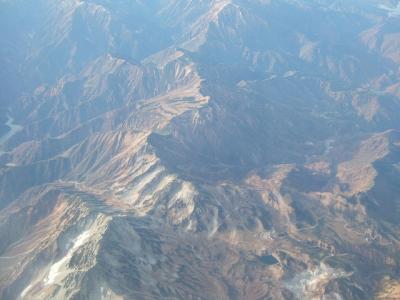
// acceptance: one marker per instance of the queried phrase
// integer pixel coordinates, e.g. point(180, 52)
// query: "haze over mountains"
point(178, 149)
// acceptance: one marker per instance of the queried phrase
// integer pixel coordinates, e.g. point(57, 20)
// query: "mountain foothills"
point(208, 149)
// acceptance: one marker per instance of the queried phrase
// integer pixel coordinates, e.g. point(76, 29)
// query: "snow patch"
point(25, 291)
point(58, 269)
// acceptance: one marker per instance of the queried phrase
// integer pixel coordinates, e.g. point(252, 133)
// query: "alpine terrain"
point(200, 149)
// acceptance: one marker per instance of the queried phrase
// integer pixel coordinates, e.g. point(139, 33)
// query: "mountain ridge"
point(194, 150)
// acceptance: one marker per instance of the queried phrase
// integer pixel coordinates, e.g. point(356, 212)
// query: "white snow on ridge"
point(57, 269)
point(25, 291)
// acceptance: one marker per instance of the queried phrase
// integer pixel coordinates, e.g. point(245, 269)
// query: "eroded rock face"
point(199, 149)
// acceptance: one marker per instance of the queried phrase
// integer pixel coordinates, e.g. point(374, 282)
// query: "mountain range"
point(208, 149)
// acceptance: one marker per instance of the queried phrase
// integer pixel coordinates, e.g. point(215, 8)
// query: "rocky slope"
point(222, 149)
